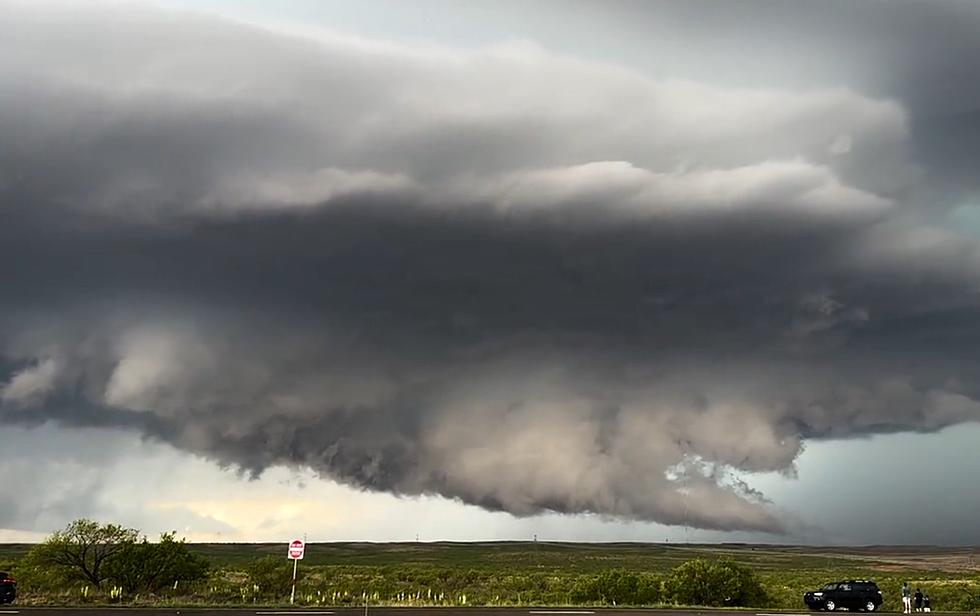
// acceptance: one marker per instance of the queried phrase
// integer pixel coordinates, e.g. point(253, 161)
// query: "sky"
point(618, 271)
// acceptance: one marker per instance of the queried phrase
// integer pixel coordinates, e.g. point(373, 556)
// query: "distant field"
point(587, 557)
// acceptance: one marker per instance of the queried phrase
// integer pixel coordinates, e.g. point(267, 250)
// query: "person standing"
point(926, 605)
point(906, 598)
point(918, 600)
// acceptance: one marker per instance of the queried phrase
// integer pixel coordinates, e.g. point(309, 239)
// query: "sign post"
point(296, 550)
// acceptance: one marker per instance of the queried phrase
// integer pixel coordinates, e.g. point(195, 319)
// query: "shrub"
point(720, 583)
point(619, 587)
point(150, 567)
point(271, 576)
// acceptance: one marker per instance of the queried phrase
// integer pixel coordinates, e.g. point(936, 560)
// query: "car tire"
point(870, 606)
point(830, 606)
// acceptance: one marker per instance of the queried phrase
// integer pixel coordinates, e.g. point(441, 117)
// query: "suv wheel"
point(830, 606)
point(869, 606)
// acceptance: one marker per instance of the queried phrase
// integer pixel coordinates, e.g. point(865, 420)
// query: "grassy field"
point(587, 557)
point(545, 573)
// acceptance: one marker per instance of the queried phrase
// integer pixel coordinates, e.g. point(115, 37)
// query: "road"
point(13, 610)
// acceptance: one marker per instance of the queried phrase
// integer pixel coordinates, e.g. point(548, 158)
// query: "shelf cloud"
point(506, 275)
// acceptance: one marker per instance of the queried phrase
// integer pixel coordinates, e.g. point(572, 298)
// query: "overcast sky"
point(624, 270)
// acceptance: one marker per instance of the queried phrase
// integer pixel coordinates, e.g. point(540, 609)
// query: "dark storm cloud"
point(510, 277)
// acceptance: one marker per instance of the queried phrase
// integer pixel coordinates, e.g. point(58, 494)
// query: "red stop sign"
point(296, 549)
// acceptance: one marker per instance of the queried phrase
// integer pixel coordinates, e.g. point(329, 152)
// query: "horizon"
point(681, 543)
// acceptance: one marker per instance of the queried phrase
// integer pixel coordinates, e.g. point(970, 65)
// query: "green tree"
point(81, 551)
point(145, 566)
point(719, 583)
point(741, 585)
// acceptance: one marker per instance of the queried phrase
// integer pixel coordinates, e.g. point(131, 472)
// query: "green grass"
point(544, 573)
point(590, 557)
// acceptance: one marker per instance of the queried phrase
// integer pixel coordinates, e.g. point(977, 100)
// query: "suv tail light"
point(8, 581)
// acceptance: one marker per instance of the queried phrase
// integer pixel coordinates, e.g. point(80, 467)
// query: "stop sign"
point(296, 549)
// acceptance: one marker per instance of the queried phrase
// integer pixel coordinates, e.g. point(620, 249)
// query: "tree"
point(721, 583)
point(82, 549)
point(145, 566)
point(740, 584)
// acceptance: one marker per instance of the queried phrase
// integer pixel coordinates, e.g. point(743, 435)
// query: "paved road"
point(381, 611)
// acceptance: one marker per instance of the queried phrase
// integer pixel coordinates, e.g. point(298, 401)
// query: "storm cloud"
point(508, 276)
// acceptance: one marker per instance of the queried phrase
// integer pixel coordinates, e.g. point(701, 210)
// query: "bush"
point(151, 567)
point(105, 558)
point(270, 577)
point(715, 584)
point(34, 577)
point(618, 587)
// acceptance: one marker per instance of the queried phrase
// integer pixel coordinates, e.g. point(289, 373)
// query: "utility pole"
point(687, 510)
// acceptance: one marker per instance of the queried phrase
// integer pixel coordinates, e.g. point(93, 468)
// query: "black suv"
point(851, 594)
point(8, 588)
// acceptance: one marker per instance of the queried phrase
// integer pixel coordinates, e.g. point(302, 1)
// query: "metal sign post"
point(292, 593)
point(296, 551)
